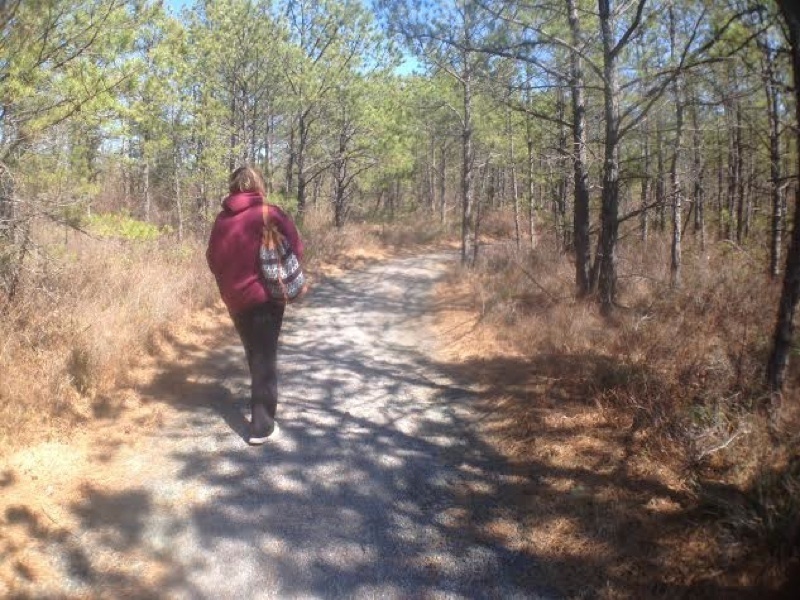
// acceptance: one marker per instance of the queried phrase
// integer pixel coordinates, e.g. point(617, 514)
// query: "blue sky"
point(176, 5)
point(409, 64)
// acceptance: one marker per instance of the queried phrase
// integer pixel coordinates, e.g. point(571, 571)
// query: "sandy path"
point(369, 492)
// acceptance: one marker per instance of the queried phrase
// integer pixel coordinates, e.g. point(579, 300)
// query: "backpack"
point(283, 275)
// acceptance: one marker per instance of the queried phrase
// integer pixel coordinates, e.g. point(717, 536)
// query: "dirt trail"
point(378, 486)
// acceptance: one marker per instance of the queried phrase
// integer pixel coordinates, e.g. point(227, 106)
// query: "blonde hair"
point(246, 179)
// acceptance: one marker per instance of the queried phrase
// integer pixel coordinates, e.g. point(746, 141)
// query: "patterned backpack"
point(283, 275)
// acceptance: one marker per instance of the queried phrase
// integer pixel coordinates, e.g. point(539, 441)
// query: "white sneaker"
point(258, 439)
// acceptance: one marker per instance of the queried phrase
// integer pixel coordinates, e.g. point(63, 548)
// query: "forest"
point(632, 160)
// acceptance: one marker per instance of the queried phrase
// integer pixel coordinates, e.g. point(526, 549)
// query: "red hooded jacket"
point(233, 247)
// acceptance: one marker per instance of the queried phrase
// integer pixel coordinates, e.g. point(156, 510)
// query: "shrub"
point(83, 309)
point(682, 368)
point(121, 226)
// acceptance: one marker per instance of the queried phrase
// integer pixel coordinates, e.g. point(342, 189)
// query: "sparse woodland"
point(621, 178)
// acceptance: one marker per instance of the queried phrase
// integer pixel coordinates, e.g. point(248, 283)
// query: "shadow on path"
point(379, 486)
point(371, 490)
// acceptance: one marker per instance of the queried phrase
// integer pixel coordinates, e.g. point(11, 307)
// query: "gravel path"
point(362, 496)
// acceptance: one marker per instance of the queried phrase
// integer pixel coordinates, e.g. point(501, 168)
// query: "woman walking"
point(233, 257)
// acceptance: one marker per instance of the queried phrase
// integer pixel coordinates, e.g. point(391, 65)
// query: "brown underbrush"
point(329, 250)
point(83, 309)
point(662, 467)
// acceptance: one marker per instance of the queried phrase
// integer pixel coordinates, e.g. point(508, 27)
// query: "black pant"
point(259, 328)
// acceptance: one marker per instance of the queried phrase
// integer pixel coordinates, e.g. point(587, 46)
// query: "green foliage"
point(117, 104)
point(122, 226)
point(74, 215)
point(285, 201)
point(63, 60)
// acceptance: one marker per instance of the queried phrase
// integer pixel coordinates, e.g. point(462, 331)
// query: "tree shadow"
point(609, 502)
point(381, 484)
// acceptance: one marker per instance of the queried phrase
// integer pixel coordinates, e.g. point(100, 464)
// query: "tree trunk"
point(661, 199)
point(178, 199)
point(290, 163)
point(721, 222)
point(146, 189)
point(789, 187)
point(748, 179)
point(250, 130)
point(784, 327)
point(430, 170)
point(319, 183)
point(500, 187)
point(676, 191)
point(379, 200)
point(773, 101)
point(340, 178)
point(739, 177)
point(269, 144)
point(609, 224)
point(232, 139)
point(733, 182)
point(339, 197)
point(8, 207)
point(302, 134)
point(478, 204)
point(580, 233)
point(698, 171)
point(644, 223)
point(531, 203)
point(490, 173)
point(443, 185)
point(467, 161)
point(514, 189)
point(398, 194)
point(205, 210)
point(563, 175)
point(125, 175)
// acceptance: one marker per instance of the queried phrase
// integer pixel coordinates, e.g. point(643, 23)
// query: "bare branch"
point(637, 19)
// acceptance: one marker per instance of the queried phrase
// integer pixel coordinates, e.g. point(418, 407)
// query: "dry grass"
point(662, 469)
point(329, 250)
point(82, 356)
point(86, 308)
point(48, 487)
point(654, 465)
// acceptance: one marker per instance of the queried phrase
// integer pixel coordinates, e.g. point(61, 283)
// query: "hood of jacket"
point(236, 203)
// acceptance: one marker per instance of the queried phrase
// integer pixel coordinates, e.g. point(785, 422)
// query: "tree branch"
point(631, 29)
